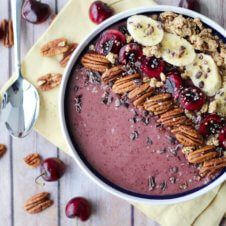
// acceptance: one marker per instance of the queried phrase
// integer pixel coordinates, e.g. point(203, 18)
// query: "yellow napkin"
point(73, 23)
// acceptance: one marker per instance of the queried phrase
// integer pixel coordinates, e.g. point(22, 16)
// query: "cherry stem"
point(76, 222)
point(37, 178)
point(113, 3)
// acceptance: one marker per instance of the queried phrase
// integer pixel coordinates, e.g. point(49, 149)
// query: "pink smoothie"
point(139, 157)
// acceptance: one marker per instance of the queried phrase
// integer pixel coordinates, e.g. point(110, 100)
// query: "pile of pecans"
point(6, 33)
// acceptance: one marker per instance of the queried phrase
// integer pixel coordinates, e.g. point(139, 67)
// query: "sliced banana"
point(204, 74)
point(220, 99)
point(176, 50)
point(145, 30)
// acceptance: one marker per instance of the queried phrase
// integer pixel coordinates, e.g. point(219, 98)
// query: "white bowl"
point(171, 199)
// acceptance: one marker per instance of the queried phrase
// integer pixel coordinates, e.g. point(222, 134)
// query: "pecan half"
point(112, 74)
point(213, 166)
point(7, 28)
point(95, 61)
point(188, 136)
point(55, 47)
point(125, 84)
point(67, 55)
point(38, 203)
point(140, 94)
point(203, 154)
point(159, 104)
point(49, 81)
point(33, 160)
point(2, 149)
point(174, 117)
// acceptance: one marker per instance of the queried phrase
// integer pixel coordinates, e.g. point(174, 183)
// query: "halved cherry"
point(192, 98)
point(110, 41)
point(211, 124)
point(173, 83)
point(222, 137)
point(152, 66)
point(130, 53)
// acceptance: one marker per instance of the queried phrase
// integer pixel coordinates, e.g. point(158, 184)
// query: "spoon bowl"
point(20, 108)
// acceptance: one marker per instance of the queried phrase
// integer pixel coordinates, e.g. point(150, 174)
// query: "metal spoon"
point(20, 104)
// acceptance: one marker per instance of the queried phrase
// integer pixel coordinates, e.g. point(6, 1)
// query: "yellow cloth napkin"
point(73, 23)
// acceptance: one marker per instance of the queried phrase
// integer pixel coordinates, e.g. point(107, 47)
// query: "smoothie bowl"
point(142, 105)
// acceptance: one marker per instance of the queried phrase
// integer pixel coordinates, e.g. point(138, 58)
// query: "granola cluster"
point(193, 30)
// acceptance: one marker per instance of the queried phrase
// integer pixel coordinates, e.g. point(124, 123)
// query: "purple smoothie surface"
point(124, 145)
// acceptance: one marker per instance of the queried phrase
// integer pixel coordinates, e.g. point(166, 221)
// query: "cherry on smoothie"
point(52, 169)
point(78, 207)
point(192, 98)
point(99, 11)
point(152, 66)
point(222, 137)
point(211, 124)
point(173, 83)
point(111, 40)
point(130, 53)
point(35, 11)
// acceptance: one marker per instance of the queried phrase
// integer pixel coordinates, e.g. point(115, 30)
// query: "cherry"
point(192, 98)
point(152, 66)
point(110, 41)
point(35, 12)
point(78, 207)
point(173, 83)
point(130, 53)
point(222, 137)
point(189, 4)
point(52, 169)
point(211, 124)
point(99, 11)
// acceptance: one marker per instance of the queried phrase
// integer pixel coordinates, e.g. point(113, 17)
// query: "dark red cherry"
point(211, 124)
point(99, 11)
point(189, 4)
point(130, 53)
point(78, 207)
point(222, 137)
point(173, 83)
point(35, 11)
point(192, 98)
point(152, 66)
point(110, 41)
point(52, 169)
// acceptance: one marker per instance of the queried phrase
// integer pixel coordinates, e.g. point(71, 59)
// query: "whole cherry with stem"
point(52, 169)
point(100, 11)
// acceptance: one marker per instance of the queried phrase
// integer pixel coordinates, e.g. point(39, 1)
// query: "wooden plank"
point(6, 197)
point(24, 180)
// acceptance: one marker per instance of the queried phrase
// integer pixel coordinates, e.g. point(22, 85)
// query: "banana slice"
point(220, 99)
point(176, 50)
point(145, 30)
point(204, 74)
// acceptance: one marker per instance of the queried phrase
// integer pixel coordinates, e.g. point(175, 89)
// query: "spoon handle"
point(16, 6)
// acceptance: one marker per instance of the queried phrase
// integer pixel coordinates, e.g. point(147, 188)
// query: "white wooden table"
point(17, 183)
